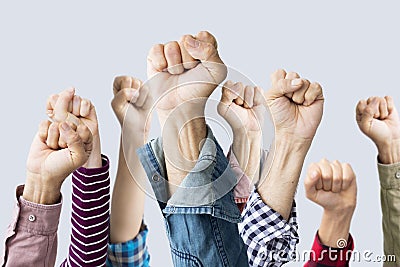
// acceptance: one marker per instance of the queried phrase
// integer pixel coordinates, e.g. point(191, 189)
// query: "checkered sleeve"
point(270, 239)
point(133, 253)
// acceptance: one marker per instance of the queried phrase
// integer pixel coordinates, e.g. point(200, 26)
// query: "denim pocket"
point(183, 259)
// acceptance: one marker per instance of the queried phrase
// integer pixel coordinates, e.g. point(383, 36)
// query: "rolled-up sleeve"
point(270, 239)
point(31, 238)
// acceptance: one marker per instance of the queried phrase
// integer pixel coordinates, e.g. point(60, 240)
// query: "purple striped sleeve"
point(90, 217)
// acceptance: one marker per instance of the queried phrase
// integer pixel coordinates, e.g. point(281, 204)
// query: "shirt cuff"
point(328, 256)
point(389, 175)
point(36, 218)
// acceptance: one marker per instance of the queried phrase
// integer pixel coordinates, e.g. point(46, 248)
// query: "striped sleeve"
point(90, 217)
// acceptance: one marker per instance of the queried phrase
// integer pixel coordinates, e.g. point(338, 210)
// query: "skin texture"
point(131, 105)
point(378, 119)
point(296, 106)
point(332, 185)
point(50, 163)
point(243, 107)
point(75, 110)
point(182, 75)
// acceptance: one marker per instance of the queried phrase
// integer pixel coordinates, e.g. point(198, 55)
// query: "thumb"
point(310, 183)
point(283, 87)
point(75, 147)
point(207, 53)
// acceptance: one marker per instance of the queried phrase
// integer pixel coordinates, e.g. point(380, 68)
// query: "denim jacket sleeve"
point(31, 238)
point(389, 176)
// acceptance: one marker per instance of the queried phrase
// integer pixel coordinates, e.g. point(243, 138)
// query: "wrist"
point(94, 161)
point(389, 153)
point(246, 147)
point(41, 191)
point(335, 226)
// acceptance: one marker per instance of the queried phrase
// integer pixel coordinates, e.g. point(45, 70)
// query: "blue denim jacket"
point(206, 233)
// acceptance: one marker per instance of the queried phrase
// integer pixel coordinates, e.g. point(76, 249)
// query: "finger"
point(173, 56)
point(51, 103)
point(76, 105)
point(277, 76)
point(85, 108)
point(43, 130)
point(239, 89)
point(142, 98)
point(258, 96)
point(313, 94)
point(207, 37)
point(76, 150)
point(53, 136)
point(64, 104)
point(327, 174)
point(337, 177)
point(124, 96)
point(361, 105)
point(390, 104)
point(374, 106)
point(228, 94)
point(283, 87)
point(299, 95)
point(383, 109)
point(187, 60)
point(248, 96)
point(292, 75)
point(311, 181)
point(121, 82)
point(85, 134)
point(349, 176)
point(203, 51)
point(156, 61)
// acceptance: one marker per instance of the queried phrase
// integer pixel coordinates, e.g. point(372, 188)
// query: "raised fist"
point(49, 165)
point(132, 104)
point(70, 108)
point(183, 71)
point(296, 105)
point(378, 119)
point(242, 107)
point(332, 185)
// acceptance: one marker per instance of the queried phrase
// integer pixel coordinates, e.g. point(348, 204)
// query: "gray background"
point(350, 47)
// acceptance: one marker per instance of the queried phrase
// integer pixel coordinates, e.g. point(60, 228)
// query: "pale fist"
point(185, 70)
point(378, 119)
point(332, 185)
point(296, 105)
point(132, 103)
point(242, 106)
point(50, 163)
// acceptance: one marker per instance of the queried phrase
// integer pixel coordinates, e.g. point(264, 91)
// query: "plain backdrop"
point(350, 47)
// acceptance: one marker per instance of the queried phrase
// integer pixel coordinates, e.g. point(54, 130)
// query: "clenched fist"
point(48, 164)
point(132, 104)
point(378, 119)
point(332, 185)
point(184, 71)
point(296, 105)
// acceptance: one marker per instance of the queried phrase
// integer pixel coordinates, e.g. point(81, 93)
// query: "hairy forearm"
point(389, 153)
point(127, 205)
point(280, 174)
point(335, 226)
point(247, 149)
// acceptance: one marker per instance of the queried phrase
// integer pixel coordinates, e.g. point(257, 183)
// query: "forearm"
point(246, 147)
point(280, 175)
point(127, 205)
point(182, 143)
point(389, 153)
point(335, 226)
point(40, 192)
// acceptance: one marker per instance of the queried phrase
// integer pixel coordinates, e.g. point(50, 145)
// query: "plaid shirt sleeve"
point(323, 256)
point(133, 253)
point(270, 239)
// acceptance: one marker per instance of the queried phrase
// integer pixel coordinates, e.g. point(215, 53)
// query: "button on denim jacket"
point(201, 216)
